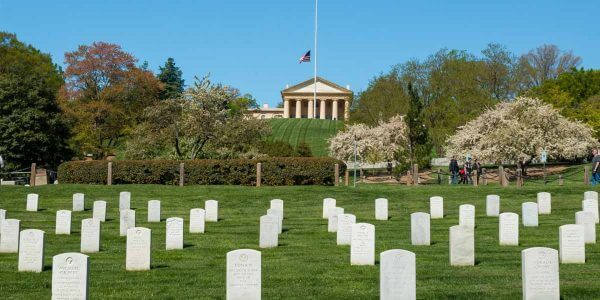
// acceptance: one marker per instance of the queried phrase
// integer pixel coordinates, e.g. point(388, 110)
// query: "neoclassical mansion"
point(333, 102)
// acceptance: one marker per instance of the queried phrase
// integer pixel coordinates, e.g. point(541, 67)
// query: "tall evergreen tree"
point(31, 123)
point(170, 75)
point(419, 144)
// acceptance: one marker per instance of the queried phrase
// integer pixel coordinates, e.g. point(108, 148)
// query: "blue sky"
point(255, 45)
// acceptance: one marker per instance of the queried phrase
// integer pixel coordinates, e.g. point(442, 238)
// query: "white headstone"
point(78, 202)
point(90, 235)
point(174, 234)
point(530, 214)
point(32, 202)
point(277, 204)
point(462, 246)
point(9, 237)
point(31, 251)
point(544, 202)
point(571, 243)
point(126, 221)
point(99, 211)
point(591, 205)
point(278, 215)
point(362, 247)
point(436, 207)
point(381, 209)
point(70, 276)
point(328, 203)
point(124, 200)
point(492, 205)
point(332, 223)
point(269, 231)
point(397, 275)
point(139, 245)
point(196, 220)
point(243, 275)
point(153, 211)
point(466, 215)
point(344, 230)
point(2, 217)
point(211, 210)
point(590, 195)
point(540, 273)
point(509, 229)
point(63, 222)
point(419, 229)
point(588, 221)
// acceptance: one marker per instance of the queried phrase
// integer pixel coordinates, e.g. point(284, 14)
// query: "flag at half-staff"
point(305, 57)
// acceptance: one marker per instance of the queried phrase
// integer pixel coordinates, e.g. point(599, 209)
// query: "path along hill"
point(314, 132)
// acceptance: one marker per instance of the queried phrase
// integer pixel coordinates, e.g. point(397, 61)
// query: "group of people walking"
point(595, 167)
point(464, 174)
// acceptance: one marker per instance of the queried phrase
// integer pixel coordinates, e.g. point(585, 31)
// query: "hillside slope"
point(314, 132)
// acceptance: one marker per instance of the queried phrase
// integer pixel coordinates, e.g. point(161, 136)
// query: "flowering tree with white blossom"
point(519, 131)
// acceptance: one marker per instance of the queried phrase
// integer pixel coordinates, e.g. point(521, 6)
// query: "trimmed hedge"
point(275, 171)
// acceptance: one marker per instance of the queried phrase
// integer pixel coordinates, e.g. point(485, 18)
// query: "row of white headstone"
point(271, 225)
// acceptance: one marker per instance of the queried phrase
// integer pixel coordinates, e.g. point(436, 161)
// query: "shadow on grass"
point(47, 268)
point(159, 267)
point(188, 246)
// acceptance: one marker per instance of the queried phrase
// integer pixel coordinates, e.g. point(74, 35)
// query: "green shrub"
point(275, 171)
point(277, 149)
point(304, 149)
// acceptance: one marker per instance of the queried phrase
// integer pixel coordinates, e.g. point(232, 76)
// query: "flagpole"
point(315, 81)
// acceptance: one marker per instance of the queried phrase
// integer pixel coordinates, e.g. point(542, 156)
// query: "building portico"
point(333, 101)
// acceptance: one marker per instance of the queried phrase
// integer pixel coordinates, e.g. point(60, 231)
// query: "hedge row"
point(275, 171)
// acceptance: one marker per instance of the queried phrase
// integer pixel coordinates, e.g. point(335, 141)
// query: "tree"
point(31, 125)
point(171, 76)
point(545, 62)
point(304, 149)
point(104, 96)
point(499, 73)
point(418, 149)
point(519, 131)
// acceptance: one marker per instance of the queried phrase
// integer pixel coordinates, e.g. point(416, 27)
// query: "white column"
point(346, 109)
point(334, 110)
point(298, 109)
point(322, 110)
point(310, 109)
point(286, 108)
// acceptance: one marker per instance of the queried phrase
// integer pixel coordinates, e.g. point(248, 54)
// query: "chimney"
point(265, 106)
point(287, 86)
point(347, 86)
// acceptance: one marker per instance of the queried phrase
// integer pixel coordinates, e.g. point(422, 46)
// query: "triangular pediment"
point(323, 87)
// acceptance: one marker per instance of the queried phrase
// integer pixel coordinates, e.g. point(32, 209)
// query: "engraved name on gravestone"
point(540, 273)
point(126, 221)
point(63, 222)
point(588, 221)
point(153, 211)
point(9, 237)
point(328, 203)
point(544, 202)
point(344, 232)
point(90, 235)
point(591, 205)
point(571, 243)
point(243, 275)
point(137, 256)
point(31, 251)
point(211, 210)
point(436, 207)
point(124, 200)
point(78, 202)
point(492, 205)
point(530, 214)
point(196, 220)
point(362, 247)
point(174, 234)
point(99, 211)
point(32, 202)
point(332, 222)
point(419, 229)
point(381, 209)
point(462, 246)
point(269, 233)
point(397, 275)
point(466, 216)
point(509, 229)
point(70, 276)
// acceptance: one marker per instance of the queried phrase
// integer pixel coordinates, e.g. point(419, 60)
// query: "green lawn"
point(307, 264)
point(314, 132)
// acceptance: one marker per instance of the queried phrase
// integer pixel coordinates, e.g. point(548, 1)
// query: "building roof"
point(324, 87)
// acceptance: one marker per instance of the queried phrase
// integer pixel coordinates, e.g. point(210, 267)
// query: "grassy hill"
point(314, 132)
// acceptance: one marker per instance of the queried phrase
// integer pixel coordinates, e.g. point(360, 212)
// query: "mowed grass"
point(314, 132)
point(308, 264)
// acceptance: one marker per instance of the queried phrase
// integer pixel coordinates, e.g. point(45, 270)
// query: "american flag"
point(305, 57)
